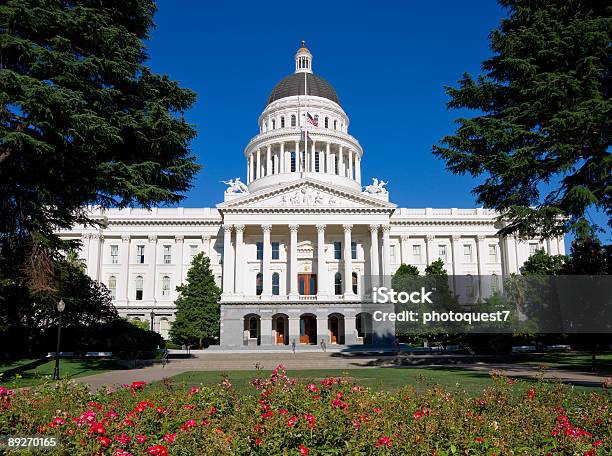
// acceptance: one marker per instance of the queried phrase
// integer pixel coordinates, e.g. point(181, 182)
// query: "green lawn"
point(69, 368)
point(376, 378)
point(573, 361)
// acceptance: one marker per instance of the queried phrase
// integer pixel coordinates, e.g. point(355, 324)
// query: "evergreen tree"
point(83, 121)
point(542, 139)
point(198, 311)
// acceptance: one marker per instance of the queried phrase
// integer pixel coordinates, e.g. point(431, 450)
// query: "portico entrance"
point(335, 325)
point(308, 329)
point(280, 324)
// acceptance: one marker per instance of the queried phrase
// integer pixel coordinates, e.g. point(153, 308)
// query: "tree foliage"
point(198, 311)
point(542, 263)
point(542, 136)
point(83, 120)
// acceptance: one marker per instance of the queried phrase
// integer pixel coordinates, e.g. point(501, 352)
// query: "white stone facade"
point(290, 250)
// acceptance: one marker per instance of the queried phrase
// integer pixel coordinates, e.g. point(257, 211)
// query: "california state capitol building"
point(291, 241)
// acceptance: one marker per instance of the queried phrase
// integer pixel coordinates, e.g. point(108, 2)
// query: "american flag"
point(312, 120)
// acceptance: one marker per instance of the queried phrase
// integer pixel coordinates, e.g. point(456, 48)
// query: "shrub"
point(332, 416)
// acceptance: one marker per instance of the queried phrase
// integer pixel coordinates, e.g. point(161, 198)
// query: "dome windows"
point(327, 122)
point(282, 122)
point(293, 120)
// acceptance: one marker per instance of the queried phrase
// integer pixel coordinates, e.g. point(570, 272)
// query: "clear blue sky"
point(388, 61)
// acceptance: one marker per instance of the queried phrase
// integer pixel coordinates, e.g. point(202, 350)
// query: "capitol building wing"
point(293, 242)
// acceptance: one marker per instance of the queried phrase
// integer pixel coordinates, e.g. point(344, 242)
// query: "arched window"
point(259, 283)
point(139, 286)
point(275, 284)
point(112, 286)
point(253, 327)
point(355, 280)
point(338, 283)
point(166, 286)
point(327, 122)
point(283, 122)
point(470, 286)
point(494, 284)
point(293, 120)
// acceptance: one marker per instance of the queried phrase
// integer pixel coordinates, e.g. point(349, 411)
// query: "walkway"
point(317, 360)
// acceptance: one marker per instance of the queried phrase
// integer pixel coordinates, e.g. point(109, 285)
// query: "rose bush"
point(333, 416)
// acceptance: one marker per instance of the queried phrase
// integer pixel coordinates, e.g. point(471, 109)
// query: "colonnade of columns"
point(234, 259)
point(316, 157)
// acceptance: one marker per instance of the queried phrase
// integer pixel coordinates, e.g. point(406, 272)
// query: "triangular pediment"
point(306, 194)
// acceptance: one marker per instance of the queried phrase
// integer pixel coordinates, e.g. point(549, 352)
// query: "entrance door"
point(308, 330)
point(333, 330)
point(307, 284)
point(280, 331)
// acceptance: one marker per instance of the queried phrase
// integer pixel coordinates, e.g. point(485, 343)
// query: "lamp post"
point(60, 308)
point(152, 320)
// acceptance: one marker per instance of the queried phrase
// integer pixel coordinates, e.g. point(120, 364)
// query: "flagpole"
point(305, 131)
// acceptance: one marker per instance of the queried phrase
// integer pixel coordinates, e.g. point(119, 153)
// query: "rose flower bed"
point(333, 416)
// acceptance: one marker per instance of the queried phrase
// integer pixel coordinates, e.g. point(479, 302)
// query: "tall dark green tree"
point(542, 134)
point(83, 120)
point(198, 311)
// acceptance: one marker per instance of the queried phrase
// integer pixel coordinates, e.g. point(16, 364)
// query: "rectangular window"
point(317, 160)
point(260, 250)
point(467, 253)
point(282, 122)
point(167, 254)
point(442, 252)
point(533, 246)
point(114, 251)
point(416, 252)
point(275, 251)
point(337, 250)
point(193, 251)
point(140, 254)
point(392, 256)
point(354, 250)
point(293, 162)
point(492, 253)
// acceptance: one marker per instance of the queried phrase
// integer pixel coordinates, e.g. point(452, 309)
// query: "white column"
point(350, 165)
point(269, 160)
point(267, 258)
point(151, 257)
point(283, 159)
point(348, 261)
point(239, 262)
point(265, 328)
point(228, 261)
point(374, 261)
point(258, 165)
point(429, 245)
point(312, 157)
point(405, 249)
point(294, 330)
point(511, 254)
point(328, 164)
point(321, 268)
point(456, 251)
point(293, 265)
point(340, 161)
point(124, 277)
point(179, 245)
point(481, 252)
point(94, 256)
point(249, 168)
point(386, 229)
point(357, 168)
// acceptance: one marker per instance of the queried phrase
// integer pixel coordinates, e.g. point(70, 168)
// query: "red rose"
point(104, 441)
point(303, 450)
point(158, 450)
